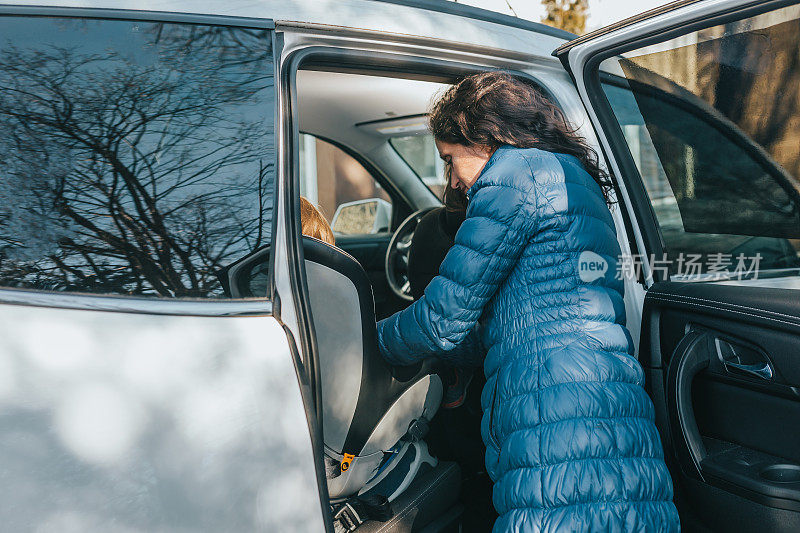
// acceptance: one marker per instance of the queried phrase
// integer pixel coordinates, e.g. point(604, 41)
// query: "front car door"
point(697, 107)
point(138, 161)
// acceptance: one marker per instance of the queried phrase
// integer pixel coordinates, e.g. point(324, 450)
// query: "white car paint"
point(134, 422)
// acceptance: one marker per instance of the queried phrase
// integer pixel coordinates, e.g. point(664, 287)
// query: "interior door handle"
point(698, 350)
point(759, 370)
point(731, 357)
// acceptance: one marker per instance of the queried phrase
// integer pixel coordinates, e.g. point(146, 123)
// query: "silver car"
point(176, 356)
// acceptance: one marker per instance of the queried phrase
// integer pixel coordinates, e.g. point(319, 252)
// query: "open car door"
point(697, 108)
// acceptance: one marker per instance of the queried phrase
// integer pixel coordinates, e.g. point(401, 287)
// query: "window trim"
point(154, 305)
point(476, 13)
point(634, 183)
point(121, 303)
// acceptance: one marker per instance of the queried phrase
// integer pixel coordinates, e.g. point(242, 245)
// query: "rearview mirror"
point(373, 215)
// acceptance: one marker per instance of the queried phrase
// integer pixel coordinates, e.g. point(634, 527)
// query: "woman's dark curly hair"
point(496, 108)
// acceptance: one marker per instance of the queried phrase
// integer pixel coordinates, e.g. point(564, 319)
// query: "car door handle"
point(759, 370)
point(694, 354)
point(730, 355)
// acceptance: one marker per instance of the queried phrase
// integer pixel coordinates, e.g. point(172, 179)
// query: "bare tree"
point(568, 15)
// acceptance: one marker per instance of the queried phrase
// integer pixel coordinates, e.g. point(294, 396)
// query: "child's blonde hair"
point(314, 224)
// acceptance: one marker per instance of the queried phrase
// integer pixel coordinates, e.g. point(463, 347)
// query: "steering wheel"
point(397, 255)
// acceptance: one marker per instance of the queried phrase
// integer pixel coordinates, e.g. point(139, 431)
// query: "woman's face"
point(466, 162)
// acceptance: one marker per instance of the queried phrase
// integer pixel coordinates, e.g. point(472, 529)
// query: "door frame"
point(292, 298)
point(292, 280)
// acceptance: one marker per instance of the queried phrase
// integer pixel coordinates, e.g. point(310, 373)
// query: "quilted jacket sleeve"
point(500, 218)
point(469, 353)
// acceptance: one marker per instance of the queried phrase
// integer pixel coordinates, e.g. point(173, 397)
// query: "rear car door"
point(697, 107)
point(138, 161)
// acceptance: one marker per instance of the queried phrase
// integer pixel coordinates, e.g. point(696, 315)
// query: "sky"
point(601, 12)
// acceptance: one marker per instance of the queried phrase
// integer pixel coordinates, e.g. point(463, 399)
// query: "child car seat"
point(367, 406)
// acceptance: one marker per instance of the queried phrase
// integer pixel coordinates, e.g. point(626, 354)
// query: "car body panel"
point(114, 420)
point(151, 414)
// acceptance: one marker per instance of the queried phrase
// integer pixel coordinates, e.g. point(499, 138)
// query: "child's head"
point(314, 224)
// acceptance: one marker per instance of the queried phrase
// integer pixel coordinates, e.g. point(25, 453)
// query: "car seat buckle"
point(346, 519)
point(417, 429)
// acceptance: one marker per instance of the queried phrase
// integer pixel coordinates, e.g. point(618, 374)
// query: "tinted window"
point(712, 120)
point(136, 158)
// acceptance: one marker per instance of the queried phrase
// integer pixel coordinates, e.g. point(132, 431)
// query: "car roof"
point(356, 109)
point(439, 20)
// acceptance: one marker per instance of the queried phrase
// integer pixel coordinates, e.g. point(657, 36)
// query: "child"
point(314, 224)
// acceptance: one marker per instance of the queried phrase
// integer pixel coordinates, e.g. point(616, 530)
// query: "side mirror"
point(372, 215)
point(247, 277)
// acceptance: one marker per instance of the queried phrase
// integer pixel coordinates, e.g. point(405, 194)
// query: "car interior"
point(367, 161)
point(700, 359)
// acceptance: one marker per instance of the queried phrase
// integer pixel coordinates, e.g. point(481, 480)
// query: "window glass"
point(712, 120)
point(344, 191)
point(136, 158)
point(419, 151)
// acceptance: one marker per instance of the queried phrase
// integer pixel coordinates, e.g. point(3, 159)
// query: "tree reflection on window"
point(136, 158)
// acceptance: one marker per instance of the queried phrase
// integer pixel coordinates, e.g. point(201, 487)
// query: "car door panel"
point(136, 393)
point(151, 422)
point(732, 431)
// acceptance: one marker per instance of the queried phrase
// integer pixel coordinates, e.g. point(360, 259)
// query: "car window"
point(712, 121)
point(136, 158)
point(348, 196)
point(419, 152)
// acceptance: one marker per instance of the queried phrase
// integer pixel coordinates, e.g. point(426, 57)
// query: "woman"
point(571, 442)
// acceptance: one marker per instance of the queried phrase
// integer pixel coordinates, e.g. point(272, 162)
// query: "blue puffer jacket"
point(570, 440)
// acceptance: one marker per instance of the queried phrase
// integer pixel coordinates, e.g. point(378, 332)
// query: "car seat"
point(373, 415)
